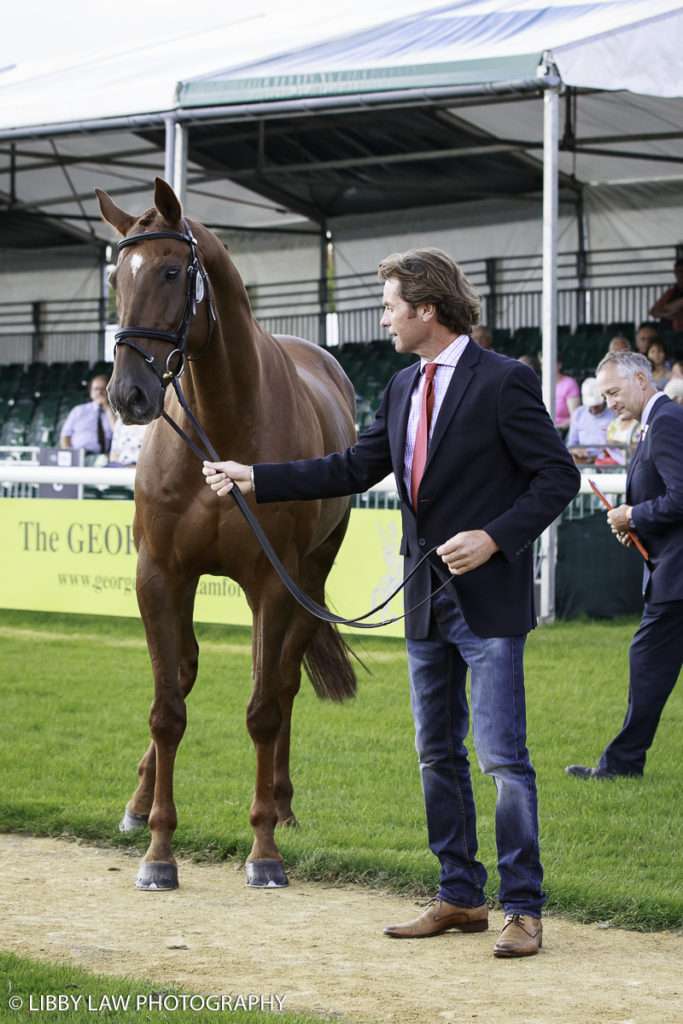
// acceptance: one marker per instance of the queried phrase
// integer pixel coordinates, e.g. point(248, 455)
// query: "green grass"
point(43, 992)
point(75, 698)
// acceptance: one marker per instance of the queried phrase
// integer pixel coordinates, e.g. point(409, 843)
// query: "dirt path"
point(321, 948)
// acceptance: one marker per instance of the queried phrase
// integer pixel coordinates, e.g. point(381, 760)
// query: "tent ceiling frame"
point(495, 92)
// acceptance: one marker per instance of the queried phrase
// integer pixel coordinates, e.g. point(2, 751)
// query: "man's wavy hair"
point(431, 276)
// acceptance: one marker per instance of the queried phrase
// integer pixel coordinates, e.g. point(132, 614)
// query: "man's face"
point(623, 394)
point(98, 390)
point(405, 326)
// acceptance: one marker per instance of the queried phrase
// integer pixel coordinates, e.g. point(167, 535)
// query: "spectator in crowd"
point(483, 336)
point(645, 335)
point(677, 369)
point(674, 389)
point(656, 353)
point(91, 424)
point(125, 442)
point(624, 432)
point(668, 308)
point(532, 362)
point(588, 425)
point(567, 397)
point(654, 513)
point(619, 343)
point(509, 473)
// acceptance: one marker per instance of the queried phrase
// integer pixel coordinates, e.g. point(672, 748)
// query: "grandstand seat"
point(673, 341)
point(625, 327)
point(590, 329)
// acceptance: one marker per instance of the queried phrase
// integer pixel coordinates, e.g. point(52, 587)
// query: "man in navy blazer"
point(496, 475)
point(654, 512)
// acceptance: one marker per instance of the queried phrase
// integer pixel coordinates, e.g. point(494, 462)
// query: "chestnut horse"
point(183, 306)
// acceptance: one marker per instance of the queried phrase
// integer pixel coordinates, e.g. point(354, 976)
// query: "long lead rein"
point(297, 593)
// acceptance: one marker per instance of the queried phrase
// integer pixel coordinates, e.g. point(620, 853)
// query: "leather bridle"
point(196, 290)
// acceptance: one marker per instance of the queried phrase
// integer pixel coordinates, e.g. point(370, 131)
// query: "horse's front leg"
point(160, 601)
point(137, 810)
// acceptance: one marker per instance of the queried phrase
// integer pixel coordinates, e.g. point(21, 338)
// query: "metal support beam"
point(322, 284)
point(551, 122)
point(180, 165)
point(175, 160)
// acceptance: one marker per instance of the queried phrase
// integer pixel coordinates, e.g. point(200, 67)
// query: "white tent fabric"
point(125, 62)
point(594, 45)
point(82, 61)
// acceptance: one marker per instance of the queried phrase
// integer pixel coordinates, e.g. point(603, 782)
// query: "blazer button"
point(422, 542)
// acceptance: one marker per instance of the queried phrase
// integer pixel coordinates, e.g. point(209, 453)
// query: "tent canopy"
point(341, 114)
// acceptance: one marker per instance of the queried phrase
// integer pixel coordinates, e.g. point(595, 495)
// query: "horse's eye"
point(171, 273)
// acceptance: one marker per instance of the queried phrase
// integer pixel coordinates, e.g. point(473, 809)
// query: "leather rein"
point(198, 288)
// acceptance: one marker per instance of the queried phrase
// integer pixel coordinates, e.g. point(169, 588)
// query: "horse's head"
point(159, 284)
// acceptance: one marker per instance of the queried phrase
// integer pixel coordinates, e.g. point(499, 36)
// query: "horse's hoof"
point(266, 874)
point(132, 822)
point(157, 875)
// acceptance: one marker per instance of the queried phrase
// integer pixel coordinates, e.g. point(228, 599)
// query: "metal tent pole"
point(175, 156)
point(551, 122)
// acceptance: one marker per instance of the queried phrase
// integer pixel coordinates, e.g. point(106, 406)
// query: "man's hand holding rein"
point(222, 476)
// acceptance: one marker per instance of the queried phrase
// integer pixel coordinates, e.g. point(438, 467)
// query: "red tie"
point(422, 433)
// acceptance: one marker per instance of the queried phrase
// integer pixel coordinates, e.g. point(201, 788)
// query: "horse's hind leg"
point(301, 630)
point(301, 633)
point(268, 712)
point(138, 807)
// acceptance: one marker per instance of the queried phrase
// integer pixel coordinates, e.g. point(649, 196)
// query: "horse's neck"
point(230, 384)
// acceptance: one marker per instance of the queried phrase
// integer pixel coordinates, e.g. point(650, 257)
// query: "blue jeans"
point(438, 669)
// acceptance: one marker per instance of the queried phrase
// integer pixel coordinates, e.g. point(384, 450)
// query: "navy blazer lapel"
point(462, 376)
point(642, 441)
point(404, 386)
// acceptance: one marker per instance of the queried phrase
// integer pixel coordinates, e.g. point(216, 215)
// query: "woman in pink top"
point(567, 397)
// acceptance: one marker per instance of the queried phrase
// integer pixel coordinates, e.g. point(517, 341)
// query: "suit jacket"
point(654, 487)
point(495, 463)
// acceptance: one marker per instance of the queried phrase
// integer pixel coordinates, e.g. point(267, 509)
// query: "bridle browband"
point(196, 290)
point(178, 338)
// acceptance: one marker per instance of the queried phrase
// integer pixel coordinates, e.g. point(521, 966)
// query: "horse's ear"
point(113, 215)
point(167, 202)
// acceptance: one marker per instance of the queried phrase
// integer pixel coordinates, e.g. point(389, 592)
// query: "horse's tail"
point(328, 665)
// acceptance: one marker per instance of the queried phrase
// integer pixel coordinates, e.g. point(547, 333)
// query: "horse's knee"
point(167, 720)
point(264, 718)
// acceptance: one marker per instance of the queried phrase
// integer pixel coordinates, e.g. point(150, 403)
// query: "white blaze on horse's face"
point(135, 262)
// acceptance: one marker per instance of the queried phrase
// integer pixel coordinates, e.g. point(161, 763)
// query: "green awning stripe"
point(217, 90)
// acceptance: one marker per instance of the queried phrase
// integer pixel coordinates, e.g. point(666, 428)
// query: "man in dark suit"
point(496, 475)
point(654, 512)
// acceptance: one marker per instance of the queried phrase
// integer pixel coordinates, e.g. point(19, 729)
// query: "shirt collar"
point(450, 355)
point(648, 407)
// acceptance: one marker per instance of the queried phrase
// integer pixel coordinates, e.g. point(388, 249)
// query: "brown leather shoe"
point(521, 936)
point(437, 917)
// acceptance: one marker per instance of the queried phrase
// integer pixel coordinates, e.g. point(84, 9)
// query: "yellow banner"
point(79, 556)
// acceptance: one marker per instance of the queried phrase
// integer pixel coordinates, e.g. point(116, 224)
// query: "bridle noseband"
point(197, 289)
